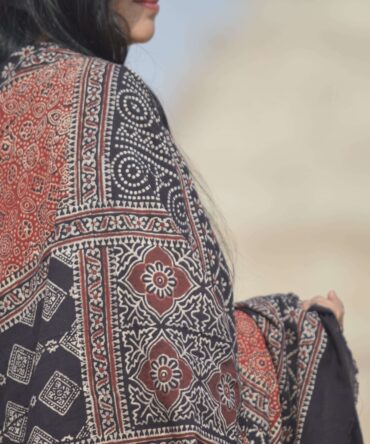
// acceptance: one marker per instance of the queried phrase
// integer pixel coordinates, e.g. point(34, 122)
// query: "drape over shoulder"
point(117, 321)
point(116, 306)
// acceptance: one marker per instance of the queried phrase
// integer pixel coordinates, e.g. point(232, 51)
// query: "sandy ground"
point(278, 124)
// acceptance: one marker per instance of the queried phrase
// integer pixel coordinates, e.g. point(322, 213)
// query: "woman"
point(117, 321)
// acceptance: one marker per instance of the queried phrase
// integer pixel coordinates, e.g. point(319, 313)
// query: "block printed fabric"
point(117, 320)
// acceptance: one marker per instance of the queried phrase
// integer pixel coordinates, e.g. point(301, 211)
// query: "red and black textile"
point(117, 319)
point(315, 373)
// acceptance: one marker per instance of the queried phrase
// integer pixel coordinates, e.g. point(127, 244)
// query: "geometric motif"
point(258, 382)
point(39, 350)
point(64, 256)
point(296, 341)
point(29, 316)
point(159, 280)
point(39, 436)
point(15, 422)
point(83, 433)
point(97, 203)
point(69, 341)
point(225, 390)
point(21, 364)
point(165, 373)
point(59, 393)
point(35, 121)
point(2, 379)
point(53, 298)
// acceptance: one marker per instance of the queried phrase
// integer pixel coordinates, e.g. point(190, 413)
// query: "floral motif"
point(52, 345)
point(225, 389)
point(2, 379)
point(290, 336)
point(26, 51)
point(287, 433)
point(8, 71)
point(260, 363)
point(159, 279)
point(291, 314)
point(165, 373)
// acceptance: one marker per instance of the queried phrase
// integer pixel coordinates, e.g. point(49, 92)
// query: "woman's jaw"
point(139, 17)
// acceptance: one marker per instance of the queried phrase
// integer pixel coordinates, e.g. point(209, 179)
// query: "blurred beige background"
point(278, 123)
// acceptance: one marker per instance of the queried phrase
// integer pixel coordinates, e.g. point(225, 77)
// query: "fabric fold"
point(315, 370)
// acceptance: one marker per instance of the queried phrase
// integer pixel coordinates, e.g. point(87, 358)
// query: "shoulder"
point(126, 95)
point(45, 58)
point(92, 77)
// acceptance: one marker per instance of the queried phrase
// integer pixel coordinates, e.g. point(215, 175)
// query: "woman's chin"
point(142, 33)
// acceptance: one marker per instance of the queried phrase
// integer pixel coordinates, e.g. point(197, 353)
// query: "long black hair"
point(87, 26)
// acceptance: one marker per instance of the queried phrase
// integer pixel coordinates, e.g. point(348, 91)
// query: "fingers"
point(332, 295)
point(332, 302)
point(323, 302)
point(319, 300)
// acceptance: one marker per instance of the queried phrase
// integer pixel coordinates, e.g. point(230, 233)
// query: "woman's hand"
point(331, 301)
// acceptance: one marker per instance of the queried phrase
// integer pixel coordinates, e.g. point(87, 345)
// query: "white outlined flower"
point(165, 373)
point(159, 279)
point(226, 390)
point(8, 71)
